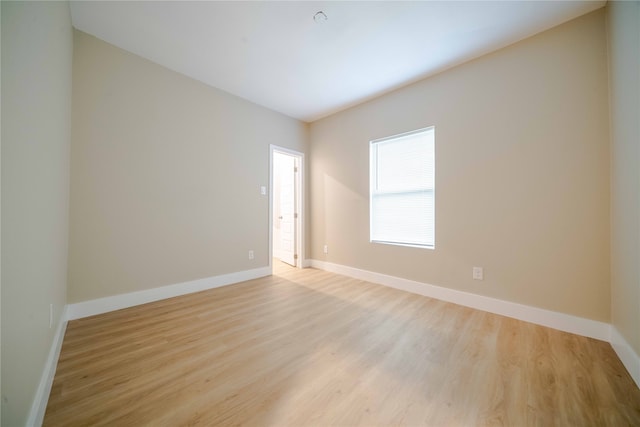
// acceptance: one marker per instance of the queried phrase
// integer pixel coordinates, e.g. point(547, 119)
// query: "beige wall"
point(36, 135)
point(165, 175)
point(522, 174)
point(624, 66)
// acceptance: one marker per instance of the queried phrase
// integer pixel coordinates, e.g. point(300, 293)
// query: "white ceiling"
point(274, 54)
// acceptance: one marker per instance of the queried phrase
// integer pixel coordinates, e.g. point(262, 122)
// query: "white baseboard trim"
point(564, 322)
point(117, 302)
point(39, 405)
point(630, 359)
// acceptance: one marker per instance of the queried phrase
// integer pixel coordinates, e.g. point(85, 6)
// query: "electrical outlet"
point(50, 316)
point(250, 254)
point(478, 273)
point(325, 249)
point(263, 190)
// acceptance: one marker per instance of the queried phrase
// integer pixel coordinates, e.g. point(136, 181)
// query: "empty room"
point(310, 213)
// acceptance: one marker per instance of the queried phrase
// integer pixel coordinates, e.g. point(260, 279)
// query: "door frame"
point(300, 203)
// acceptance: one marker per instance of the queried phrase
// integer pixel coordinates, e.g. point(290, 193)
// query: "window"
point(402, 178)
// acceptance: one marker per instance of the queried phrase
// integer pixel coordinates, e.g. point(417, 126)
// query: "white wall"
point(165, 175)
point(624, 68)
point(522, 174)
point(36, 133)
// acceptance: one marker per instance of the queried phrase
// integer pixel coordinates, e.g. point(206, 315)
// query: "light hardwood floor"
point(307, 347)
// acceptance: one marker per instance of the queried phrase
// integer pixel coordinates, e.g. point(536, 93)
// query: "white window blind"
point(402, 174)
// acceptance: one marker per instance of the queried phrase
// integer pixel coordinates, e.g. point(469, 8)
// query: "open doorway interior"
point(286, 206)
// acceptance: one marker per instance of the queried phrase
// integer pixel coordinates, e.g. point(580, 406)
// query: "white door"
point(285, 166)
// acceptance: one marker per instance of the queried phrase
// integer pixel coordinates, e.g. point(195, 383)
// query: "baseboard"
point(630, 359)
point(117, 302)
point(39, 405)
point(564, 322)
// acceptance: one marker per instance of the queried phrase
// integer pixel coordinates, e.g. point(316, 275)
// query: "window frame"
point(373, 181)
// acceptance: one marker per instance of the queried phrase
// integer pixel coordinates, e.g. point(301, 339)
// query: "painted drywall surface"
point(624, 74)
point(522, 174)
point(165, 175)
point(37, 47)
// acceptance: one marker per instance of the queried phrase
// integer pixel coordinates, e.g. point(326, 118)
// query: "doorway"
point(286, 212)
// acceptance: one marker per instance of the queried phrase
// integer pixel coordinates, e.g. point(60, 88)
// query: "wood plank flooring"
point(307, 347)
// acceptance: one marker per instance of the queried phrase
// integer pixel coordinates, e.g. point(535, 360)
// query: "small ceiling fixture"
point(320, 17)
